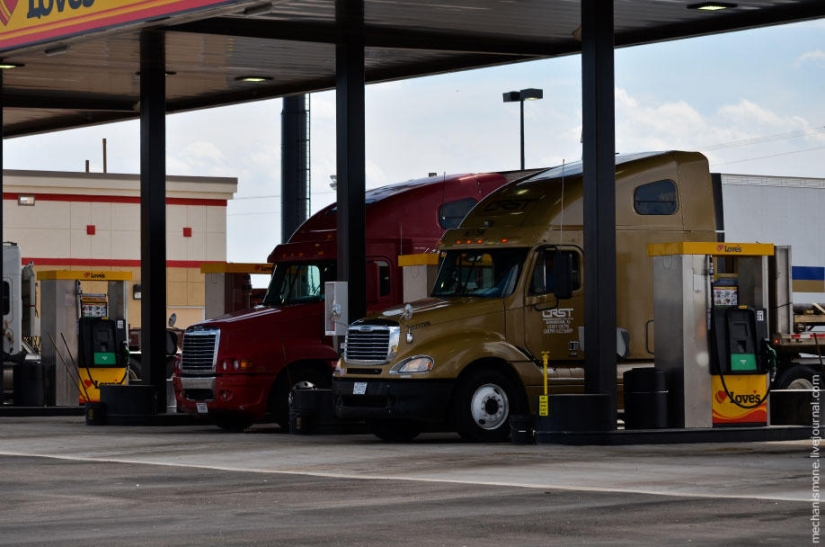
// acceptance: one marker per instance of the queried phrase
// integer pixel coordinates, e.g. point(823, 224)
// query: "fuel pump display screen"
point(726, 291)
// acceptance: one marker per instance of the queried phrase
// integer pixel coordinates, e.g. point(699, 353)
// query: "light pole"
point(530, 94)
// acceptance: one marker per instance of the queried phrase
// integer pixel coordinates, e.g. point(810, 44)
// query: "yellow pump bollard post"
point(544, 400)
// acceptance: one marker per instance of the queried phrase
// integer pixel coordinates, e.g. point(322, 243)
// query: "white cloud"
point(322, 106)
point(816, 56)
point(623, 98)
point(742, 136)
point(198, 157)
point(747, 112)
point(374, 175)
point(646, 125)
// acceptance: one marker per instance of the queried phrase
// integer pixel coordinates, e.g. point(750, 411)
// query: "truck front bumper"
point(231, 394)
point(419, 400)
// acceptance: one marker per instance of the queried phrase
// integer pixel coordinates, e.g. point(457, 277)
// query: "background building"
point(91, 221)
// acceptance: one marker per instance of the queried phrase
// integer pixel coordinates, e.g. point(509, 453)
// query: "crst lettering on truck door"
point(551, 324)
point(548, 324)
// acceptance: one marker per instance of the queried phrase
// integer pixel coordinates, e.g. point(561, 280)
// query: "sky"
point(752, 101)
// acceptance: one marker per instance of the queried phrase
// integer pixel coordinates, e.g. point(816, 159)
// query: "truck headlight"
point(414, 365)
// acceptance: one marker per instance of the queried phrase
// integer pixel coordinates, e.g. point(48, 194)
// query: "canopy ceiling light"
point(711, 6)
point(253, 79)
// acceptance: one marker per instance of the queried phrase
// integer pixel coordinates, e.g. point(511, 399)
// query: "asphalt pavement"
point(63, 482)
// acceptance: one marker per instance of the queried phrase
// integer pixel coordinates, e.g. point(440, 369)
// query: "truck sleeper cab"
point(510, 287)
point(241, 367)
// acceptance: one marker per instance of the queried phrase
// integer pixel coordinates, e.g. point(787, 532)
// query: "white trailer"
point(783, 211)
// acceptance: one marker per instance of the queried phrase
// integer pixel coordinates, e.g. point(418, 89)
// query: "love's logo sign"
point(6, 9)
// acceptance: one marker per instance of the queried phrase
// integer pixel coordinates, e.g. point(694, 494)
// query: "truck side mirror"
point(563, 275)
point(171, 342)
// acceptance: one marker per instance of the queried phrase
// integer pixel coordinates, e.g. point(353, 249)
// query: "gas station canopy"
point(71, 63)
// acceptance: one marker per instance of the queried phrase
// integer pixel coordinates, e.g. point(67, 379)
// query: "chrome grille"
point(200, 349)
point(371, 344)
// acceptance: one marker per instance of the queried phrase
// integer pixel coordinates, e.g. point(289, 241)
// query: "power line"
point(770, 138)
point(278, 196)
point(771, 156)
point(252, 214)
point(255, 197)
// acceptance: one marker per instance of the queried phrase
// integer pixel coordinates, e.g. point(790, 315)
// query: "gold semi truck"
point(510, 288)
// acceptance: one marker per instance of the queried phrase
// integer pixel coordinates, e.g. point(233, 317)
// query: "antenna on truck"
point(561, 228)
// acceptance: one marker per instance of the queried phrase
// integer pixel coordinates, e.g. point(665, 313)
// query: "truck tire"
point(135, 368)
point(796, 377)
point(483, 405)
point(302, 377)
point(396, 431)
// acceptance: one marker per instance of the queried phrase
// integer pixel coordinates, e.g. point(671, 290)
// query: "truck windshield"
point(298, 282)
point(489, 273)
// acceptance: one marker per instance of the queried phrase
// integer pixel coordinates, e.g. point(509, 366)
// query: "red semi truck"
point(240, 368)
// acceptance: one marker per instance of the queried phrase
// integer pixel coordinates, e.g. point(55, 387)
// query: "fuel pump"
point(742, 365)
point(64, 309)
point(709, 301)
point(103, 352)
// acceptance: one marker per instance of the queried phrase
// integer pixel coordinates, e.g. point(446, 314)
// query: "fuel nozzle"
point(770, 358)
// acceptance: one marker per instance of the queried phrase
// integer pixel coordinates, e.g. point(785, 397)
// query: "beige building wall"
point(91, 222)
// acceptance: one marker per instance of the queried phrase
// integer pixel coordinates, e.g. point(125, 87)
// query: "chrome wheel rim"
point(489, 406)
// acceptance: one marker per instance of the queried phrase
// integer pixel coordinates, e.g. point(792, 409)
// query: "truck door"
point(551, 324)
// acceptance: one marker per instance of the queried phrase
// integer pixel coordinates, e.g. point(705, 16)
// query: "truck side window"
point(298, 282)
point(383, 278)
point(451, 214)
point(542, 279)
point(656, 198)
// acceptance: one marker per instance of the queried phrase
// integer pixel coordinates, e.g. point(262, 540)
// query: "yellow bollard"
point(544, 400)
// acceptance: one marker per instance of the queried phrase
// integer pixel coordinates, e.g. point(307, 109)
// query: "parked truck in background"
point(239, 368)
point(797, 329)
point(21, 328)
point(510, 287)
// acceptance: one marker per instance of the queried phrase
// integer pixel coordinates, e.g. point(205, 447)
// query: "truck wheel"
point(135, 369)
point(796, 377)
point(300, 378)
point(396, 431)
point(483, 405)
